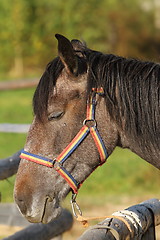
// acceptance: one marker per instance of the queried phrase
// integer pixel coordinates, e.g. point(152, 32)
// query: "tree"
point(27, 30)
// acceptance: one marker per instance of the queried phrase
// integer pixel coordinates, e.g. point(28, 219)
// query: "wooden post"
point(136, 222)
point(39, 231)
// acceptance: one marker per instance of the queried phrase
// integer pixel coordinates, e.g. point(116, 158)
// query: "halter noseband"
point(57, 163)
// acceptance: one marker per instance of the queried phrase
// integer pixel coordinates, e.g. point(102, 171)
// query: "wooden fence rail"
point(39, 231)
point(14, 128)
point(20, 84)
point(135, 223)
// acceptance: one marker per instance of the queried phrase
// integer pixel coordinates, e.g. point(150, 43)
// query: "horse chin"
point(48, 213)
point(52, 209)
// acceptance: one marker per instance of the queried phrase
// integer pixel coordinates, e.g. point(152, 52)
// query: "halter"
point(58, 162)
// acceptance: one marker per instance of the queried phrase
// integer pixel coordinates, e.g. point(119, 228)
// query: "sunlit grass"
point(124, 172)
point(16, 106)
point(6, 189)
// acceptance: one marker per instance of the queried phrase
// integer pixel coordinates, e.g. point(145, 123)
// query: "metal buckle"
point(75, 206)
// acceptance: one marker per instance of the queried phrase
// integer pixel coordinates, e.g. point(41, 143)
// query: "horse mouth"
point(51, 210)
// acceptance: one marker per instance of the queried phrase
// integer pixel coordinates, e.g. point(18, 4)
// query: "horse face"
point(39, 189)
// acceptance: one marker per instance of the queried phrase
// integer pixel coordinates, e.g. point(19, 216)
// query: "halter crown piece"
point(73, 145)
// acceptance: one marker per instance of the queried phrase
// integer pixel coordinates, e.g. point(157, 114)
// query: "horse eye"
point(55, 116)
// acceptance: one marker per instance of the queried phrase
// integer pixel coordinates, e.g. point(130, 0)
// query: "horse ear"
point(66, 54)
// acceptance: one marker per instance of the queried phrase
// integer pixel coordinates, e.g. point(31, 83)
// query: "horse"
point(86, 103)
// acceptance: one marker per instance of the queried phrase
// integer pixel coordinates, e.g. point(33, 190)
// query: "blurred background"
point(128, 28)
point(27, 44)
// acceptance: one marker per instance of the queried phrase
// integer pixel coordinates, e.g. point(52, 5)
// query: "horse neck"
point(148, 152)
point(144, 149)
point(114, 135)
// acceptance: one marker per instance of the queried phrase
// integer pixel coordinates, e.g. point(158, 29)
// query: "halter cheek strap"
point(57, 163)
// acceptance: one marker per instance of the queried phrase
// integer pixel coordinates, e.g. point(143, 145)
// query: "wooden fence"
point(39, 231)
point(134, 223)
point(20, 84)
point(14, 128)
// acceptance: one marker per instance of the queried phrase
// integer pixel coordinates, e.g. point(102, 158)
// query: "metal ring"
point(75, 206)
point(90, 122)
point(57, 165)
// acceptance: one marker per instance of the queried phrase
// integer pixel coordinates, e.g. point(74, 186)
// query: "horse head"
point(60, 103)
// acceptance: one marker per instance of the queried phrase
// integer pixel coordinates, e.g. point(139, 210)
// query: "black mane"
point(45, 86)
point(132, 92)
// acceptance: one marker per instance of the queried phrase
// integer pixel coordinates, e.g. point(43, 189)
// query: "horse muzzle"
point(43, 211)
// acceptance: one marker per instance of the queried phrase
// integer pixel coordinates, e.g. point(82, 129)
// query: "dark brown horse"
point(126, 115)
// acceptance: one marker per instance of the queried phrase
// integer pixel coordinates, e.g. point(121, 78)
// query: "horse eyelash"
point(55, 116)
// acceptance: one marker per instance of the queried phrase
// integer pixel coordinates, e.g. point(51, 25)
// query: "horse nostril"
point(22, 206)
point(48, 198)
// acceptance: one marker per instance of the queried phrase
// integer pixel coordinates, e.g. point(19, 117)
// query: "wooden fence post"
point(136, 222)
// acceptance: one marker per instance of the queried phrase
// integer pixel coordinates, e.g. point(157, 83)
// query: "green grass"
point(16, 106)
point(10, 143)
point(124, 173)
